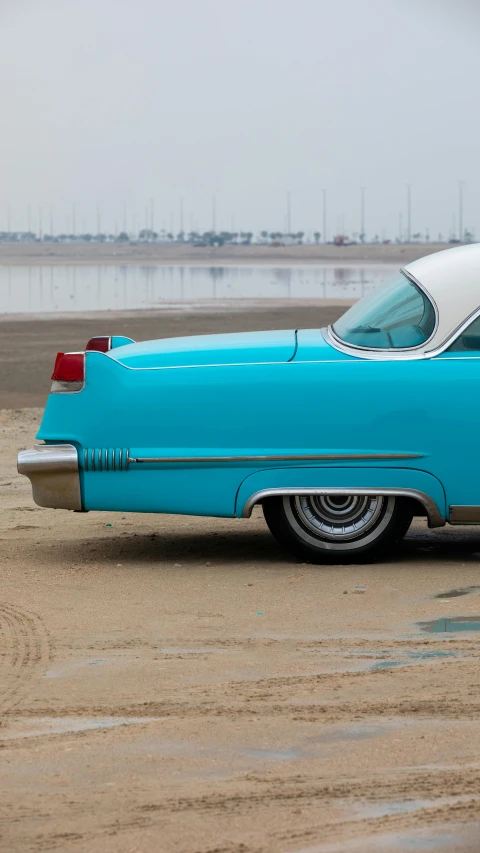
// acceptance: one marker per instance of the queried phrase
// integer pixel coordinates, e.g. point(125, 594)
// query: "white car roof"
point(452, 279)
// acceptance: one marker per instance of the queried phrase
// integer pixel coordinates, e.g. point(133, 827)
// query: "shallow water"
point(459, 623)
point(39, 289)
point(41, 726)
point(401, 841)
point(386, 808)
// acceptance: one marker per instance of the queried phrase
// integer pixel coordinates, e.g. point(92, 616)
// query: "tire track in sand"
point(24, 653)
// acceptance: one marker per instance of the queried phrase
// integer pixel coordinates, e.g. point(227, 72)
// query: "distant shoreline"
point(151, 254)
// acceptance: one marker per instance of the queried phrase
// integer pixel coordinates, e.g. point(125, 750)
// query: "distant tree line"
point(218, 238)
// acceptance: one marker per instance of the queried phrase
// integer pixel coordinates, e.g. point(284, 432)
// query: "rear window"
point(398, 315)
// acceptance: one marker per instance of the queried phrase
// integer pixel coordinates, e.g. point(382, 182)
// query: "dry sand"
point(178, 684)
point(149, 254)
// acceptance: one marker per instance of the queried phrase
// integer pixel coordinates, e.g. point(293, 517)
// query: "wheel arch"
point(418, 486)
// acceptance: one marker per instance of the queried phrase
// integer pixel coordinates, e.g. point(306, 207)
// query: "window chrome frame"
point(353, 349)
point(390, 355)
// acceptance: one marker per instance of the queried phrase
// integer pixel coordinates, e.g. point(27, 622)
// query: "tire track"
point(24, 653)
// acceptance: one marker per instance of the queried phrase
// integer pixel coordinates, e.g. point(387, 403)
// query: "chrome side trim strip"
point(359, 358)
point(224, 364)
point(53, 472)
point(465, 515)
point(308, 457)
point(435, 518)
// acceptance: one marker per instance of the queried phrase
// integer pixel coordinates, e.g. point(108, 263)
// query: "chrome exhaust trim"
point(53, 472)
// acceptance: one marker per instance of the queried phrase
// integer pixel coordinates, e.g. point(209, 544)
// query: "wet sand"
point(180, 684)
point(172, 683)
point(51, 254)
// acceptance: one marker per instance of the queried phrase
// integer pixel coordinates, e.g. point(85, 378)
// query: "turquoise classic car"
point(341, 434)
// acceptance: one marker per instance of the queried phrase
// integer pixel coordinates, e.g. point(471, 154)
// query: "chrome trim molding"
point(309, 457)
point(435, 518)
point(465, 515)
point(53, 472)
point(221, 364)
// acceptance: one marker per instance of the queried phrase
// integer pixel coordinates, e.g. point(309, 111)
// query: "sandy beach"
point(173, 683)
point(52, 254)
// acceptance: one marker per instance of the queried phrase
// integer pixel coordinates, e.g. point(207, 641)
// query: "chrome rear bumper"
point(53, 472)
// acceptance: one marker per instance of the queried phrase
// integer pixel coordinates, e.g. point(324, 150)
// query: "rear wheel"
point(338, 528)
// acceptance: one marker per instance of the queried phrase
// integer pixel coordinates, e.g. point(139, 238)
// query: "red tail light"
point(101, 343)
point(69, 372)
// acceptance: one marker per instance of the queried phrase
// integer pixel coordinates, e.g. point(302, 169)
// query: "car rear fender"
point(407, 482)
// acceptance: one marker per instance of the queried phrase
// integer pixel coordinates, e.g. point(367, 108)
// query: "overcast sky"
point(115, 102)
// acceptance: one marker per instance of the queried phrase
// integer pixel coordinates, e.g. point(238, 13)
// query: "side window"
point(469, 340)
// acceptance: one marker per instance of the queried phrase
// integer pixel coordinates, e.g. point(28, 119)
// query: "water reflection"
point(36, 289)
point(456, 593)
point(460, 623)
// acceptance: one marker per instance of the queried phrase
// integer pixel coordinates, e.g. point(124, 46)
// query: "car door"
point(459, 367)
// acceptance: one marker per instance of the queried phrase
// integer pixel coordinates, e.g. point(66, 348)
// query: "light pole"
point(289, 212)
point(152, 217)
point(460, 210)
point(214, 214)
point(409, 212)
point(324, 216)
point(362, 214)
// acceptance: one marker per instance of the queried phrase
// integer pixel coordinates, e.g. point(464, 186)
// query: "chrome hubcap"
point(338, 517)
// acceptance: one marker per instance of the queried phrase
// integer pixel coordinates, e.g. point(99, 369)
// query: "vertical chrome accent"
point(93, 459)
